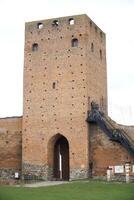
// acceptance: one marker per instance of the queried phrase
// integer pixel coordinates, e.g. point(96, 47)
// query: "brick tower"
point(64, 70)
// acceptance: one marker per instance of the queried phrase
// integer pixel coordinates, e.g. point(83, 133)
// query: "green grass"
point(83, 190)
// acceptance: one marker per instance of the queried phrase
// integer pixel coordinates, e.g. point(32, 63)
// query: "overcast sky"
point(114, 17)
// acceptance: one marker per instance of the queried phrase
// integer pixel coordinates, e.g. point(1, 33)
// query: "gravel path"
point(44, 184)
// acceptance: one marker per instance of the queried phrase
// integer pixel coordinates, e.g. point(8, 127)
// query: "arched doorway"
point(61, 159)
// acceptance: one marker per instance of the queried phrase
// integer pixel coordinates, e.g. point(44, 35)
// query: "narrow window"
point(40, 25)
point(74, 42)
point(55, 23)
point(54, 84)
point(100, 54)
point(92, 47)
point(71, 21)
point(101, 34)
point(35, 47)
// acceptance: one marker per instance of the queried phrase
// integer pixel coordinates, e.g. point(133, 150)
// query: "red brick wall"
point(63, 110)
point(10, 143)
point(105, 153)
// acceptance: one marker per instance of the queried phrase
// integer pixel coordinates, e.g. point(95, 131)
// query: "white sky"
point(114, 17)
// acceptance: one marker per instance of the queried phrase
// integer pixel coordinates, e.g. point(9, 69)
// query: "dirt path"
point(43, 184)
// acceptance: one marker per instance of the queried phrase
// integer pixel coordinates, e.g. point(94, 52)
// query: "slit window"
point(40, 25)
point(54, 84)
point(55, 23)
point(74, 42)
point(71, 21)
point(92, 47)
point(35, 47)
point(100, 54)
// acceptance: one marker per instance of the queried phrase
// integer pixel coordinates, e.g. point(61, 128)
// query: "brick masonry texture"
point(60, 82)
point(10, 146)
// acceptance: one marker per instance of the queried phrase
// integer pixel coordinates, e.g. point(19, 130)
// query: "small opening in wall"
point(92, 47)
point(54, 84)
point(35, 47)
point(101, 34)
point(40, 25)
point(74, 42)
point(71, 21)
point(91, 23)
point(100, 54)
point(55, 23)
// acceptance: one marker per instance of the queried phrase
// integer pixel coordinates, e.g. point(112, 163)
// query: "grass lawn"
point(83, 190)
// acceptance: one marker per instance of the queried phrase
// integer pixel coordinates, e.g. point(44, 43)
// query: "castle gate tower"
point(64, 71)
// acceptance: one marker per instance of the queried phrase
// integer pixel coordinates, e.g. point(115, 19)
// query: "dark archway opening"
point(61, 159)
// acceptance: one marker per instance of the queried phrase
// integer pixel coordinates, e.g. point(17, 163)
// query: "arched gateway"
point(59, 152)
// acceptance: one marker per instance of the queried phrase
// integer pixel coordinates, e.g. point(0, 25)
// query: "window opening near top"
point(35, 47)
point(74, 42)
point(55, 23)
point(40, 25)
point(71, 21)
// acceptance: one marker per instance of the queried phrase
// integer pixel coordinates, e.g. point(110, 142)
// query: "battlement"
point(68, 22)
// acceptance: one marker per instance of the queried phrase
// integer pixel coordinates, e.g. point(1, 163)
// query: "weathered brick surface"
point(74, 70)
point(105, 153)
point(10, 146)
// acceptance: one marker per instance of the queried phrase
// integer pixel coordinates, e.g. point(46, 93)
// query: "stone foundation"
point(76, 174)
point(8, 174)
point(36, 172)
